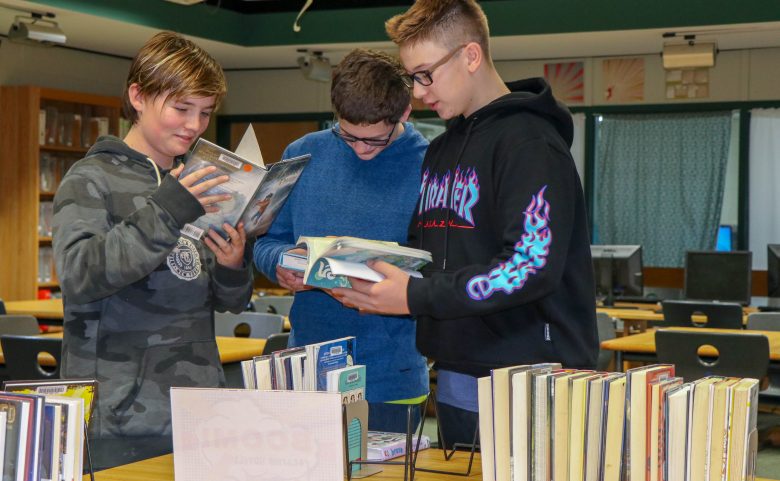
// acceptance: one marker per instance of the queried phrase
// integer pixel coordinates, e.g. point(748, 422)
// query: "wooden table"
point(52, 310)
point(161, 469)
point(641, 346)
point(40, 309)
point(231, 349)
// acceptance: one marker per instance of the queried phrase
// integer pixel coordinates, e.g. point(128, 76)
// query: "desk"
point(231, 349)
point(52, 310)
point(161, 469)
point(641, 347)
point(41, 309)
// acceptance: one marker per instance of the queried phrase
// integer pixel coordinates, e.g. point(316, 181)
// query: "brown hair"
point(171, 65)
point(369, 87)
point(448, 22)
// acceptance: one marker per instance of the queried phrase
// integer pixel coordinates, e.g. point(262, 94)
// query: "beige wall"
point(61, 68)
point(740, 75)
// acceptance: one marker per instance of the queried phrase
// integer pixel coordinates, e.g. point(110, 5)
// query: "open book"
point(257, 192)
point(330, 260)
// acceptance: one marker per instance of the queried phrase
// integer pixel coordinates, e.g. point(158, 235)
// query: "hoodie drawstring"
point(156, 171)
point(452, 191)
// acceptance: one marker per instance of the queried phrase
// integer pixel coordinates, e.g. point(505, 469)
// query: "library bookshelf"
point(42, 133)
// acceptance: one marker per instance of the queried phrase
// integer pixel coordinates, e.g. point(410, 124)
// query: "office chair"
point(738, 355)
point(606, 330)
point(20, 325)
point(257, 325)
point(767, 321)
point(21, 356)
point(722, 315)
point(276, 342)
point(273, 304)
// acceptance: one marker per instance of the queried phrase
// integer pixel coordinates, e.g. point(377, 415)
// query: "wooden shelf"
point(64, 148)
point(20, 162)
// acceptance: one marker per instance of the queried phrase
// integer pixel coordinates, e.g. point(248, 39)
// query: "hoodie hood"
point(532, 95)
point(118, 149)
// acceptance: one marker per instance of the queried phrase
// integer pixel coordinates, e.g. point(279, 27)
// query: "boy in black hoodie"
point(502, 210)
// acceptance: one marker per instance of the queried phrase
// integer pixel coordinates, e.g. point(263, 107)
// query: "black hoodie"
point(502, 210)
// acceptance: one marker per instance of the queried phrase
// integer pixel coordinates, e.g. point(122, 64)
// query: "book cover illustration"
point(256, 192)
point(349, 381)
point(383, 445)
point(85, 389)
point(327, 356)
point(332, 259)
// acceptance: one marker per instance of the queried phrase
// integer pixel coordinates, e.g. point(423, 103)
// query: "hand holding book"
point(386, 297)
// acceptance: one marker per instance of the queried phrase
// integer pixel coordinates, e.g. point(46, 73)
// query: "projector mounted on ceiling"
point(36, 31)
point(689, 55)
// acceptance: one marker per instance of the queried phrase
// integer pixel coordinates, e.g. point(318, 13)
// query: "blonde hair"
point(171, 65)
point(448, 22)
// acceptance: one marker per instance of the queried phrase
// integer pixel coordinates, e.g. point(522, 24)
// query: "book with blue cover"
point(327, 356)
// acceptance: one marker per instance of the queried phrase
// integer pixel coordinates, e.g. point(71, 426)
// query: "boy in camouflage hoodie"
point(139, 297)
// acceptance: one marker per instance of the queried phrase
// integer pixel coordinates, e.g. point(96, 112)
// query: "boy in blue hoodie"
point(362, 181)
point(502, 211)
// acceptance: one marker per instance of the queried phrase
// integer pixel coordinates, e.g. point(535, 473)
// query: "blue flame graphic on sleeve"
point(530, 254)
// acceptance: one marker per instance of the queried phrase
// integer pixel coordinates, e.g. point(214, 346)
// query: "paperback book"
point(331, 260)
point(257, 192)
point(383, 445)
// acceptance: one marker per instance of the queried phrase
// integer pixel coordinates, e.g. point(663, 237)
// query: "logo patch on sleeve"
point(184, 260)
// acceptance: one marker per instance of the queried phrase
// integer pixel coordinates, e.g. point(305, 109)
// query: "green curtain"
point(659, 182)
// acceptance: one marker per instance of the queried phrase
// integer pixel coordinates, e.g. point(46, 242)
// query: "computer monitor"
point(718, 276)
point(724, 241)
point(773, 269)
point(617, 270)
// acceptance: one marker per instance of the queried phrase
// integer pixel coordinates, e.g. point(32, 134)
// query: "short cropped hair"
point(368, 87)
point(450, 23)
point(171, 65)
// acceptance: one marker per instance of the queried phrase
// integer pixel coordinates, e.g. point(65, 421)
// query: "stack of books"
point(543, 423)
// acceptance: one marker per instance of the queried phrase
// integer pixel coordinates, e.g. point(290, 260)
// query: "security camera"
point(315, 67)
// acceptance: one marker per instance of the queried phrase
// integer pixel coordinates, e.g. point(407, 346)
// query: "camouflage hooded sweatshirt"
point(139, 297)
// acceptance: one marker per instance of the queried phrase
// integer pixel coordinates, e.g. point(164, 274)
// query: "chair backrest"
point(19, 324)
point(722, 315)
point(740, 355)
point(247, 324)
point(21, 356)
point(276, 342)
point(606, 330)
point(274, 304)
point(764, 321)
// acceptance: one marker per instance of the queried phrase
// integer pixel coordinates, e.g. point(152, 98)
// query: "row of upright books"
point(44, 421)
point(325, 366)
point(543, 423)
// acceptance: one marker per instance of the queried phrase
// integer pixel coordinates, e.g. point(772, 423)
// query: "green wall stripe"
point(507, 17)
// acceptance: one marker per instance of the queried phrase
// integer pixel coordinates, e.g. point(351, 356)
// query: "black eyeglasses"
point(424, 77)
point(350, 139)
